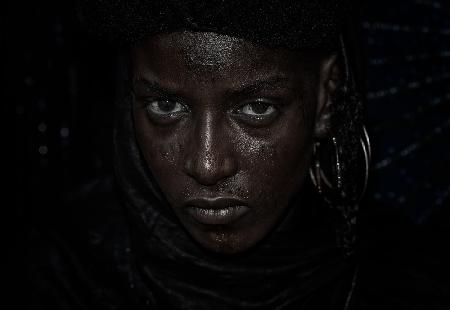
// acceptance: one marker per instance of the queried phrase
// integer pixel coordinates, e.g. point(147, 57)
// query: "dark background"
point(59, 90)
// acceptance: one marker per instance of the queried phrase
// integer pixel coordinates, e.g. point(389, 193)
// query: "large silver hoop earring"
point(367, 151)
point(319, 177)
point(321, 182)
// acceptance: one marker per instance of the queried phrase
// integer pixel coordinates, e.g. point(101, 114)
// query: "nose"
point(209, 157)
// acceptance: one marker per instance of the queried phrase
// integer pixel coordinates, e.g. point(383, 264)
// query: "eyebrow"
point(152, 86)
point(275, 82)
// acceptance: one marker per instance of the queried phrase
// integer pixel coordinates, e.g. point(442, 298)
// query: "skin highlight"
point(220, 117)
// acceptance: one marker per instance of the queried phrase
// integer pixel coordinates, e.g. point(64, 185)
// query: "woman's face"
point(226, 127)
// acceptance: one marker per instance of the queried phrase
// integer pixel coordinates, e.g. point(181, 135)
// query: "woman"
point(240, 160)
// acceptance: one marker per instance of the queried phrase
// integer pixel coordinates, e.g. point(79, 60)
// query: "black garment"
point(97, 261)
point(89, 263)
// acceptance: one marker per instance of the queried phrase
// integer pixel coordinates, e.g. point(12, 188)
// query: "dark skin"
point(220, 117)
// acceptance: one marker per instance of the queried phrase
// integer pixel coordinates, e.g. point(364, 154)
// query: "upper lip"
point(215, 203)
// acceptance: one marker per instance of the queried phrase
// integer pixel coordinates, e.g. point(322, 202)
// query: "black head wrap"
point(290, 23)
point(297, 267)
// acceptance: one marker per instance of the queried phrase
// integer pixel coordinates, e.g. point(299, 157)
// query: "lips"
point(216, 211)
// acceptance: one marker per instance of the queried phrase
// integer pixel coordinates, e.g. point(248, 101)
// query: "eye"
point(165, 108)
point(258, 109)
point(257, 113)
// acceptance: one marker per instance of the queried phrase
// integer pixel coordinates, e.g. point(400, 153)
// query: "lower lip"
point(218, 216)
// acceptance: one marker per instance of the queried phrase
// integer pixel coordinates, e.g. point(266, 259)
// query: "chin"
point(223, 241)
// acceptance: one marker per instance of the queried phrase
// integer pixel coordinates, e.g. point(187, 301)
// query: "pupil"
point(166, 106)
point(259, 108)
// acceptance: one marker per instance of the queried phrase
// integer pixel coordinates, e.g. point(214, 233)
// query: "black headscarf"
point(298, 266)
point(289, 23)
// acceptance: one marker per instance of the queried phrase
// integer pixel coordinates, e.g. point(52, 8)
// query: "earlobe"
point(329, 78)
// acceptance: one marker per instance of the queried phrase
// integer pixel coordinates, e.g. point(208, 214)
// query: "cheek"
point(277, 163)
point(162, 154)
point(162, 151)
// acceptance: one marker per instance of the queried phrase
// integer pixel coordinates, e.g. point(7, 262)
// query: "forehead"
point(207, 55)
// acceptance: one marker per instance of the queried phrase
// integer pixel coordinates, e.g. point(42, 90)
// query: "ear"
point(329, 78)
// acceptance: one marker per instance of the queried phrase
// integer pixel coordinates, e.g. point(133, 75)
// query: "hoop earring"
point(315, 170)
point(319, 178)
point(367, 150)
